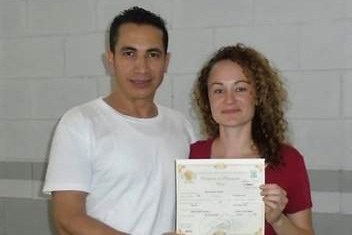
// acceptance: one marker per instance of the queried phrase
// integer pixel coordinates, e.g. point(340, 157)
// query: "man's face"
point(139, 61)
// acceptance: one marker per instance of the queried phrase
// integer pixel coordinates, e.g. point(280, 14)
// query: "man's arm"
point(69, 209)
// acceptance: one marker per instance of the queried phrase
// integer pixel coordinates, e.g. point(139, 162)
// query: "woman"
point(241, 99)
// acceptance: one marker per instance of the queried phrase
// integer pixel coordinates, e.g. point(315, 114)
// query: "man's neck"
point(138, 108)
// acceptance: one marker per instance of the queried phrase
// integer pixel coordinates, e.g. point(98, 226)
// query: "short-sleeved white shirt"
point(125, 164)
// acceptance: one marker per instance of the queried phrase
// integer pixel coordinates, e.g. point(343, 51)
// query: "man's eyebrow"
point(127, 48)
point(155, 49)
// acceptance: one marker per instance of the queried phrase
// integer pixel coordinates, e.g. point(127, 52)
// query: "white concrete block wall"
point(84, 55)
point(52, 53)
point(106, 9)
point(182, 100)
point(211, 14)
point(347, 8)
point(347, 136)
point(24, 57)
point(15, 188)
point(306, 101)
point(299, 11)
point(12, 91)
point(189, 49)
point(323, 45)
point(46, 17)
point(105, 85)
point(329, 202)
point(346, 206)
point(13, 11)
point(279, 43)
point(60, 93)
point(164, 95)
point(25, 140)
point(321, 142)
point(347, 95)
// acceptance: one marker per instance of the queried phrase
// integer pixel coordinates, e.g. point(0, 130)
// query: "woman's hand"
point(275, 201)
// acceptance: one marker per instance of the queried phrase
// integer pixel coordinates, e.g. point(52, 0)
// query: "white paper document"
point(220, 196)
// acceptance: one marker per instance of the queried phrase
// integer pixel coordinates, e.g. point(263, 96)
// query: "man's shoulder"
point(163, 108)
point(170, 112)
point(80, 113)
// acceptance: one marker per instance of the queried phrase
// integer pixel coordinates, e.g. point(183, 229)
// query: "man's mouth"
point(140, 82)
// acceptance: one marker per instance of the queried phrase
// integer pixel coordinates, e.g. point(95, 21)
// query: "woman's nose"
point(229, 96)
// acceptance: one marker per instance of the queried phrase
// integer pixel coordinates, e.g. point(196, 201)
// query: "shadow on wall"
point(26, 216)
point(327, 224)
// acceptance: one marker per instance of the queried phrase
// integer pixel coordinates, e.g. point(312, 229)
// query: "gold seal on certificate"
point(220, 196)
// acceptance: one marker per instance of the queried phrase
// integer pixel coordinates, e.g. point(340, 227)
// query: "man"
point(112, 160)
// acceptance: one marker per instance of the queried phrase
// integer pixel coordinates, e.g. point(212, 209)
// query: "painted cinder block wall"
point(51, 58)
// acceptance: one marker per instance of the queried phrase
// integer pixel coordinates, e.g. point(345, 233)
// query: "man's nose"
point(141, 64)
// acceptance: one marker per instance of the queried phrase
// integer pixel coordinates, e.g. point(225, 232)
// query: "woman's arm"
point(275, 200)
point(297, 223)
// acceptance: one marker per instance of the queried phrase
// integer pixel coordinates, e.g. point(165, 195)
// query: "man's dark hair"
point(137, 15)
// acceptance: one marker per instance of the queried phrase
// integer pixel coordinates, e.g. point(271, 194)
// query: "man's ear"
point(167, 60)
point(109, 60)
point(109, 56)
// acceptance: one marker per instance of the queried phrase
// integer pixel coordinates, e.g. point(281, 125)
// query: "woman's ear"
point(257, 101)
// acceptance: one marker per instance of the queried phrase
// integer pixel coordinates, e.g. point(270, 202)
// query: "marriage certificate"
point(220, 196)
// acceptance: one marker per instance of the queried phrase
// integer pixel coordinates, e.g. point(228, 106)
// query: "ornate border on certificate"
point(220, 196)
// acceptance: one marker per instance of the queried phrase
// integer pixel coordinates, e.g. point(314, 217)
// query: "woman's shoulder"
point(201, 149)
point(200, 143)
point(290, 154)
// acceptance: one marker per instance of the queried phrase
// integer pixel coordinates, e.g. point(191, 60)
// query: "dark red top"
point(291, 176)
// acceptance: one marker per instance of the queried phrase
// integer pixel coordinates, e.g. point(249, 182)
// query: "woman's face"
point(231, 95)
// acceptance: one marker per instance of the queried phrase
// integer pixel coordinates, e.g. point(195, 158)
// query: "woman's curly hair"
point(269, 125)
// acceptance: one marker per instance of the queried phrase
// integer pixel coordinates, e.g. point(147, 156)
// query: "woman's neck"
point(234, 144)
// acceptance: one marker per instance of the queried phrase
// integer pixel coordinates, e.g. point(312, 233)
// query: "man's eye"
point(128, 53)
point(154, 55)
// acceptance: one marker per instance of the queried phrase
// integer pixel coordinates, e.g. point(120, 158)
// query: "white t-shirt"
point(125, 164)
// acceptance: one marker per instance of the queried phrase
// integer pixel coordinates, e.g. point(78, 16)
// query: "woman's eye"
point(218, 91)
point(241, 89)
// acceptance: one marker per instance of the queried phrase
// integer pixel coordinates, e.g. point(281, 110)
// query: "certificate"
point(220, 196)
